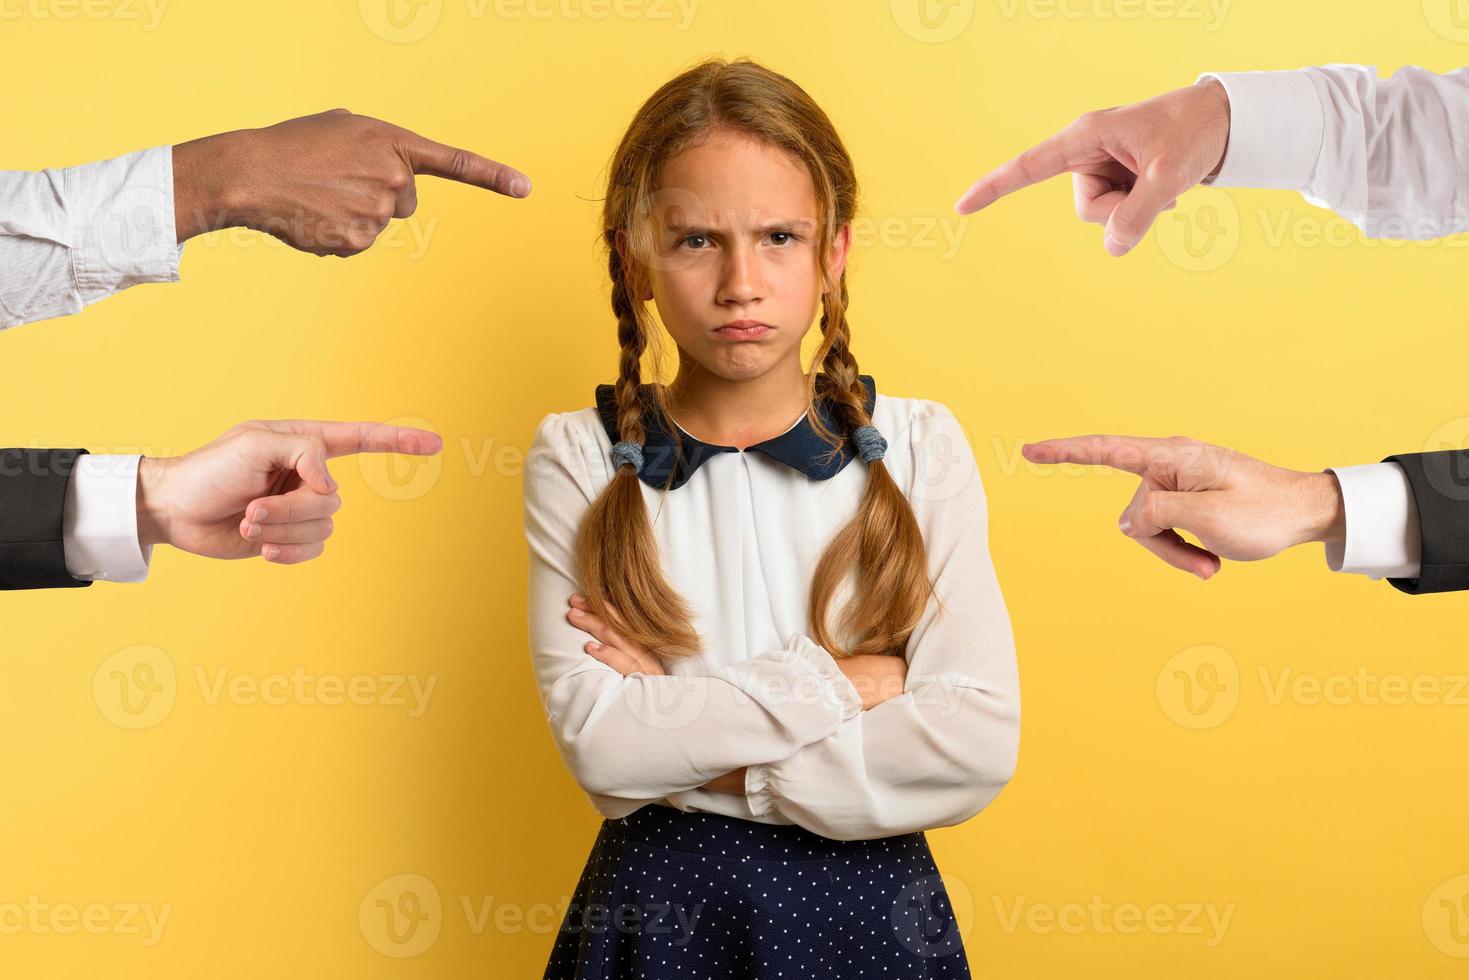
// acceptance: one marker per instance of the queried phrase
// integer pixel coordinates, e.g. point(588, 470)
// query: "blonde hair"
point(616, 553)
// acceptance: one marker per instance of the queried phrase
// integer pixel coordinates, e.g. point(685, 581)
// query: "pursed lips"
point(743, 330)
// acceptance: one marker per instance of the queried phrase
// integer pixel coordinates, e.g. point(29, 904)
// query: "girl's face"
point(734, 270)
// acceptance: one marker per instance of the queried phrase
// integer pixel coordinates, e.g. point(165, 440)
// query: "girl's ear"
point(836, 257)
point(644, 292)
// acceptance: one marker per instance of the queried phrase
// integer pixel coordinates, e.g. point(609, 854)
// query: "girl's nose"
point(741, 280)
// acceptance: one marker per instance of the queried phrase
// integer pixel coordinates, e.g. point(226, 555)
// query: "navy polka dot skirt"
point(667, 894)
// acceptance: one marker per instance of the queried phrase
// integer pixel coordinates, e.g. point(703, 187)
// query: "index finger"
point(346, 438)
point(1131, 454)
point(1040, 162)
point(438, 160)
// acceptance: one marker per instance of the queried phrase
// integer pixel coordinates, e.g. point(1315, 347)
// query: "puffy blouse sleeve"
point(938, 753)
point(633, 740)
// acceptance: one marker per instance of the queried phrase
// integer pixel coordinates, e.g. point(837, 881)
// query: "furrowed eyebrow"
point(795, 224)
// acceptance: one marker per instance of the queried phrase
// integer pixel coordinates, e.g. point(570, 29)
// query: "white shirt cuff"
point(125, 232)
point(100, 522)
point(1275, 129)
point(1382, 539)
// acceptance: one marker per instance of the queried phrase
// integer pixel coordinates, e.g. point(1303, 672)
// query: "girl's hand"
point(608, 645)
point(731, 782)
point(876, 676)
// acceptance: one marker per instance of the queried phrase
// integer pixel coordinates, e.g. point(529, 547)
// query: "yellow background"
point(1328, 833)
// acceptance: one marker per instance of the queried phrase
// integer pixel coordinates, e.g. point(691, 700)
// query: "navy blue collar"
point(799, 447)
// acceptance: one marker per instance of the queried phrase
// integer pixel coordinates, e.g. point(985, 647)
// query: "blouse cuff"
point(758, 793)
point(836, 688)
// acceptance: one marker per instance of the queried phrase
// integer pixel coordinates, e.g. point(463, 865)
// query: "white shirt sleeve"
point(73, 236)
point(100, 521)
point(1383, 538)
point(938, 753)
point(1391, 155)
point(633, 740)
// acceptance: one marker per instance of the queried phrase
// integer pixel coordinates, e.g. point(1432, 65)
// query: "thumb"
point(1153, 511)
point(312, 469)
point(1132, 218)
point(304, 455)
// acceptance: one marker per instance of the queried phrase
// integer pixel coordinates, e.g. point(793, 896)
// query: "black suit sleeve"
point(1440, 483)
point(33, 486)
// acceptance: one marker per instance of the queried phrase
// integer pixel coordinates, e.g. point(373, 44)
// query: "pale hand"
point(1238, 507)
point(1128, 164)
point(608, 645)
point(262, 488)
point(876, 676)
point(627, 658)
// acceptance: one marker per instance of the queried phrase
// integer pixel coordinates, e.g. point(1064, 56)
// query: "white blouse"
point(740, 540)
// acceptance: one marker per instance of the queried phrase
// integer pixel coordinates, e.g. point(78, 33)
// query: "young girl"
point(764, 621)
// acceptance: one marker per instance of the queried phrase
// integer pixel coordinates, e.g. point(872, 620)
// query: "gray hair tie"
point(630, 454)
point(870, 443)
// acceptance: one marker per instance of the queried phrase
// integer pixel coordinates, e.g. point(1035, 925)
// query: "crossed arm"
point(787, 728)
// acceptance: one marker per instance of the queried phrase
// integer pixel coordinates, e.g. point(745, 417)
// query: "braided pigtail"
point(617, 555)
point(882, 543)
